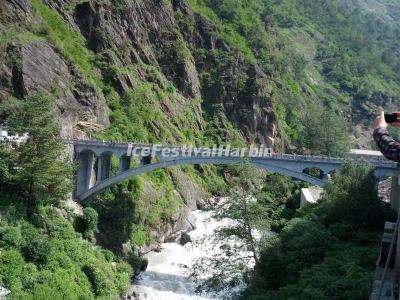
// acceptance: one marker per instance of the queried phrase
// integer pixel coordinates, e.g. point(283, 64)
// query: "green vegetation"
point(326, 251)
point(328, 136)
point(52, 261)
point(41, 255)
point(87, 223)
point(327, 66)
point(138, 113)
point(71, 45)
point(38, 173)
point(117, 214)
point(333, 56)
point(256, 202)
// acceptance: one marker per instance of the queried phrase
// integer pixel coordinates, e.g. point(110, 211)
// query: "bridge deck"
point(376, 160)
point(96, 155)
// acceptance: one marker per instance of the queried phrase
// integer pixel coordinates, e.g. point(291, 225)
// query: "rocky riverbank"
point(167, 276)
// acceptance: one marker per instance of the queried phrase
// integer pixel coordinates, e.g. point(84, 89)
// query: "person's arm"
point(388, 146)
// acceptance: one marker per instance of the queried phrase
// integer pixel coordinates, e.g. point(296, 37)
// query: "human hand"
point(380, 121)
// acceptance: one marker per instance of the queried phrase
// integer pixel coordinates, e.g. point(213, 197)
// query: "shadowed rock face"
point(143, 31)
point(44, 70)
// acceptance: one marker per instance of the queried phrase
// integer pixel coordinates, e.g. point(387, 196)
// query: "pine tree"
point(41, 173)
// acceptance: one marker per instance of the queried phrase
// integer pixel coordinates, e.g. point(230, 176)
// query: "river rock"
point(144, 264)
point(172, 238)
point(201, 204)
point(185, 238)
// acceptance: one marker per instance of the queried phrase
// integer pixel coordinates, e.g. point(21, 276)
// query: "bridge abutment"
point(103, 167)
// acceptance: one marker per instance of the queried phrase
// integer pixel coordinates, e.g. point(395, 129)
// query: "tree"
point(325, 132)
point(352, 199)
point(238, 241)
point(334, 242)
point(41, 173)
point(87, 223)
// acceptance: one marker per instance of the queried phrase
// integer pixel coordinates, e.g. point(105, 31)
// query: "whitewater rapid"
point(167, 275)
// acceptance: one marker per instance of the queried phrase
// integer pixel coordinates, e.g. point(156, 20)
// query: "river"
point(167, 275)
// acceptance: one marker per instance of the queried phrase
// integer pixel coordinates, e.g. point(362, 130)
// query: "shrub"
point(87, 223)
point(37, 250)
point(98, 279)
point(11, 263)
point(10, 237)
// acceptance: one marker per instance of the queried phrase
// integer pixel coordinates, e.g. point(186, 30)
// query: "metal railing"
point(376, 160)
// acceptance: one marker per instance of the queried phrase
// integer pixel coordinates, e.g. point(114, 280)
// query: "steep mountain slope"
point(342, 55)
point(298, 75)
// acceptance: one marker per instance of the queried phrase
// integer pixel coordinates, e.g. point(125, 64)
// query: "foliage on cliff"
point(300, 73)
point(339, 55)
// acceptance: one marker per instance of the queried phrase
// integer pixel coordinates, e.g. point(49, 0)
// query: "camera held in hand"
point(392, 118)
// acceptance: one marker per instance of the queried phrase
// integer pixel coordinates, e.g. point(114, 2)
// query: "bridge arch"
point(196, 160)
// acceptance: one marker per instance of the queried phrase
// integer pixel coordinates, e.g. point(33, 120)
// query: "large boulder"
point(185, 238)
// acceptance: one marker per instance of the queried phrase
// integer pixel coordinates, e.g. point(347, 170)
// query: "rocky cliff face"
point(128, 44)
point(131, 33)
point(36, 66)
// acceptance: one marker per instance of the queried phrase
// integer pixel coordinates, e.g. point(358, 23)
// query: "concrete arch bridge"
point(94, 163)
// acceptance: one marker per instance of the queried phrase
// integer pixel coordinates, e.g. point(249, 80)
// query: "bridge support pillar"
point(145, 160)
point(326, 177)
point(103, 167)
point(85, 172)
point(124, 163)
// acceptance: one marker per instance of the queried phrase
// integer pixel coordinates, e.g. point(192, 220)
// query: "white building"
point(14, 139)
point(3, 293)
point(3, 133)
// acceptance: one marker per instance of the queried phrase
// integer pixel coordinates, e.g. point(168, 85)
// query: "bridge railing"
point(102, 143)
point(375, 160)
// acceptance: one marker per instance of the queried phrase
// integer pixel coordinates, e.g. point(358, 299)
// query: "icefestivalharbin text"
point(189, 151)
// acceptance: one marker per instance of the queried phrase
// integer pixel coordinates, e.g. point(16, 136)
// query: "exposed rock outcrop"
point(42, 69)
point(248, 105)
point(16, 12)
point(142, 35)
point(191, 192)
point(146, 31)
point(181, 221)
